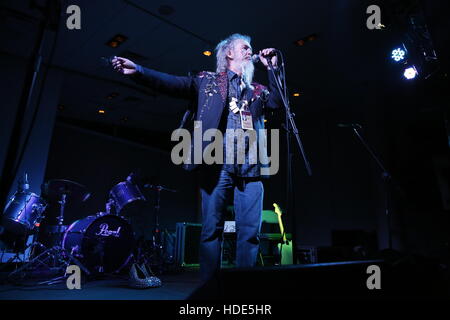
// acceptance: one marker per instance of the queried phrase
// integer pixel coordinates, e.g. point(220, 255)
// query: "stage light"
point(101, 111)
point(207, 53)
point(113, 44)
point(296, 94)
point(112, 95)
point(116, 41)
point(304, 40)
point(120, 38)
point(410, 73)
point(399, 54)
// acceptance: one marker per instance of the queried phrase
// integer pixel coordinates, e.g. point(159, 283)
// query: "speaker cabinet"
point(187, 244)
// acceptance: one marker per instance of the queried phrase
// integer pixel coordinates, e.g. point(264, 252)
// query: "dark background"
point(345, 75)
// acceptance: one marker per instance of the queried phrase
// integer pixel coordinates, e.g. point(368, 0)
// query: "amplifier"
point(307, 255)
point(187, 244)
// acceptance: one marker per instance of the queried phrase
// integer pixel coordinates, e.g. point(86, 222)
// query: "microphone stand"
point(157, 234)
point(386, 178)
point(289, 127)
point(290, 123)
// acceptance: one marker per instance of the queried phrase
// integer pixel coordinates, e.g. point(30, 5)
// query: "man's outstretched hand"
point(123, 65)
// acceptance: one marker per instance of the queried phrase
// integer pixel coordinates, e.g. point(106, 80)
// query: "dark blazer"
point(210, 90)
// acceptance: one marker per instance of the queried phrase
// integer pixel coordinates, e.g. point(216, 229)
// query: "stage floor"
point(174, 287)
point(337, 280)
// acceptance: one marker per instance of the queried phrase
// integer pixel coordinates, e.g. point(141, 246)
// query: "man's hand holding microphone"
point(123, 65)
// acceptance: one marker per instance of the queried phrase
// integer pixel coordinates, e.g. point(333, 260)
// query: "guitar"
point(285, 247)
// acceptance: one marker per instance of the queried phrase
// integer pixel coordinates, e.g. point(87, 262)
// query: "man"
point(227, 101)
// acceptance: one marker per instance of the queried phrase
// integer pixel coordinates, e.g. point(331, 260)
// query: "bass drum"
point(103, 243)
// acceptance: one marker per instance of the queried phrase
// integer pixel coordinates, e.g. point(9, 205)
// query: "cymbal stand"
point(157, 241)
point(46, 258)
point(62, 203)
point(110, 206)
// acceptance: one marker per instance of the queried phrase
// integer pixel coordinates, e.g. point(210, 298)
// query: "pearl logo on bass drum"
point(105, 232)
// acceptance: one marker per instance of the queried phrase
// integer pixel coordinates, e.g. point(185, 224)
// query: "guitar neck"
point(280, 222)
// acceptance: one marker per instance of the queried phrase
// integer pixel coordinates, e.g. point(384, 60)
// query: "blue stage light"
point(398, 54)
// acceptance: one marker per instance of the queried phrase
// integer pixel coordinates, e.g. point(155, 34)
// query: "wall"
point(99, 162)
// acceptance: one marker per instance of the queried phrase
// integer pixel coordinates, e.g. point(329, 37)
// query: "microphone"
point(256, 58)
point(349, 125)
point(106, 61)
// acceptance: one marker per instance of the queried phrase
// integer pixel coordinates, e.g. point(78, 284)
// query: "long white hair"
point(222, 49)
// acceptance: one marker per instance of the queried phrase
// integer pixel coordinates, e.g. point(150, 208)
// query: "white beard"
point(248, 70)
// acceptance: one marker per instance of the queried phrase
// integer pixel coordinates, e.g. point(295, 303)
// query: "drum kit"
point(103, 243)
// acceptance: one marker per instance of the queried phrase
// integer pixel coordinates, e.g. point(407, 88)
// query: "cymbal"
point(158, 187)
point(55, 188)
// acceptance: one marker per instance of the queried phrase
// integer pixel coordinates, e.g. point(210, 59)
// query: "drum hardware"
point(53, 234)
point(25, 251)
point(50, 256)
point(53, 190)
point(21, 218)
point(99, 243)
point(103, 243)
point(109, 206)
point(55, 256)
point(125, 198)
point(62, 204)
point(157, 243)
point(24, 210)
point(60, 191)
point(23, 213)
